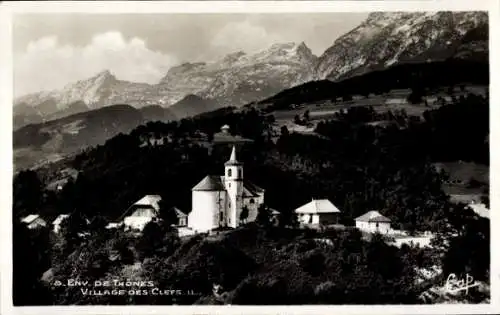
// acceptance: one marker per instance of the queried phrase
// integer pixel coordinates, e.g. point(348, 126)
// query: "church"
point(224, 201)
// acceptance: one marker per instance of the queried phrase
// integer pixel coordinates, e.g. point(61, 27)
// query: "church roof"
point(252, 188)
point(318, 206)
point(210, 183)
point(372, 216)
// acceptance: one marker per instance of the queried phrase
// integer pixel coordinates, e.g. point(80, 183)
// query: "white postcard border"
point(7, 10)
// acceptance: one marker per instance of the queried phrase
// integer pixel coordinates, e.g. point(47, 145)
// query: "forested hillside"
point(422, 76)
point(359, 167)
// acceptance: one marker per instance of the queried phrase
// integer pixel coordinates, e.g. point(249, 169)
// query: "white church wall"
point(204, 215)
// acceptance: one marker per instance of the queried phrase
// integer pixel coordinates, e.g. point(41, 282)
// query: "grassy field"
point(468, 181)
point(394, 100)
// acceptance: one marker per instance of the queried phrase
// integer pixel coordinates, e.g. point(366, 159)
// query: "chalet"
point(58, 221)
point(34, 221)
point(480, 209)
point(225, 137)
point(373, 222)
point(318, 212)
point(142, 212)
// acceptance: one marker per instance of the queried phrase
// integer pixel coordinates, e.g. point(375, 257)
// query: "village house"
point(58, 221)
point(145, 210)
point(34, 221)
point(224, 201)
point(372, 222)
point(225, 137)
point(318, 212)
point(480, 209)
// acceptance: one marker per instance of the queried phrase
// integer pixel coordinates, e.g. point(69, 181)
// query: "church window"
point(252, 201)
point(239, 173)
point(229, 184)
point(229, 173)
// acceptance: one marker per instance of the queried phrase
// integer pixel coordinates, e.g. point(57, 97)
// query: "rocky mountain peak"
point(104, 75)
point(388, 38)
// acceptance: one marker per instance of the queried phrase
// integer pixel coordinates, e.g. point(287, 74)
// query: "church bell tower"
point(233, 180)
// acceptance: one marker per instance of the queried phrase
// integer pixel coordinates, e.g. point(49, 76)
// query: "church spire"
point(233, 155)
point(232, 159)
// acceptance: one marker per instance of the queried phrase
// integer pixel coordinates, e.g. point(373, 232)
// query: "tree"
point(347, 98)
point(306, 115)
point(150, 241)
point(27, 193)
point(30, 259)
point(263, 215)
point(415, 96)
point(167, 213)
point(297, 120)
point(284, 131)
point(290, 219)
point(244, 214)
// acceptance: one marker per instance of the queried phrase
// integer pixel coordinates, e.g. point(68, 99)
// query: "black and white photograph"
point(250, 158)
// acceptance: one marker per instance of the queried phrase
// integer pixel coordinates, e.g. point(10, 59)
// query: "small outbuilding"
point(318, 212)
point(34, 221)
point(181, 217)
point(373, 222)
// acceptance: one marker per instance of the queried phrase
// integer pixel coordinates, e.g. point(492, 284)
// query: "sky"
point(52, 50)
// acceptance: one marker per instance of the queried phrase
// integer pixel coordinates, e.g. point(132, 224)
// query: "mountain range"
point(383, 40)
point(390, 38)
point(234, 80)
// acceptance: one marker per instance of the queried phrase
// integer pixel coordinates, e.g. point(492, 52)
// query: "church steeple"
point(233, 181)
point(232, 159)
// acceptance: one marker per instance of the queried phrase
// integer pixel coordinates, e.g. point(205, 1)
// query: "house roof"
point(480, 209)
point(252, 188)
point(30, 218)
point(274, 211)
point(210, 183)
point(226, 137)
point(149, 201)
point(318, 206)
point(372, 216)
point(60, 218)
point(179, 212)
